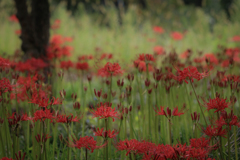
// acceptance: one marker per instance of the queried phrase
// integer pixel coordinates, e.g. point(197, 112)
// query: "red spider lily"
point(146, 57)
point(160, 152)
point(110, 70)
point(197, 153)
point(82, 66)
point(85, 57)
point(85, 142)
point(213, 131)
point(106, 56)
point(18, 32)
point(15, 118)
point(31, 65)
point(43, 101)
point(181, 150)
point(42, 115)
point(4, 63)
point(105, 111)
point(19, 155)
point(158, 29)
point(6, 158)
point(227, 119)
point(217, 103)
point(158, 50)
point(66, 64)
point(185, 54)
point(168, 113)
point(98, 93)
point(177, 36)
point(67, 119)
point(235, 38)
point(13, 18)
point(5, 86)
point(191, 73)
point(212, 59)
point(195, 116)
point(200, 142)
point(43, 139)
point(129, 145)
point(104, 134)
point(56, 24)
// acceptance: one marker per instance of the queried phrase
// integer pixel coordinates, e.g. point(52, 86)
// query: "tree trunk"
point(35, 27)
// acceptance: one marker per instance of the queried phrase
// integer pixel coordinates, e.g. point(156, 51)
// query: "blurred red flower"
point(13, 18)
point(219, 104)
point(82, 66)
point(56, 24)
point(158, 50)
point(104, 134)
point(110, 70)
point(177, 36)
point(235, 38)
point(158, 29)
point(66, 64)
point(105, 111)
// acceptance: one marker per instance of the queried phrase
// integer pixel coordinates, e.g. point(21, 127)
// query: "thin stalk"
point(69, 156)
point(106, 127)
point(220, 148)
point(3, 147)
point(198, 103)
point(86, 153)
point(44, 143)
point(228, 138)
point(170, 131)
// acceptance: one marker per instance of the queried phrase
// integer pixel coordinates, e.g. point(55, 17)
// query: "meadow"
point(151, 89)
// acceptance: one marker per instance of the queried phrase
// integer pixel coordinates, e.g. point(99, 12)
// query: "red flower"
point(212, 131)
point(82, 66)
point(13, 18)
point(85, 142)
point(56, 24)
point(104, 134)
point(105, 111)
point(42, 115)
point(211, 58)
point(217, 103)
point(191, 73)
point(5, 86)
point(158, 29)
point(158, 50)
point(185, 54)
point(200, 142)
point(67, 119)
point(129, 145)
point(6, 158)
point(4, 63)
point(227, 119)
point(146, 57)
point(235, 38)
point(169, 113)
point(110, 70)
point(15, 118)
point(43, 139)
point(177, 36)
point(18, 32)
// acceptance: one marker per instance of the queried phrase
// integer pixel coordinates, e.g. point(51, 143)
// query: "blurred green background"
point(128, 30)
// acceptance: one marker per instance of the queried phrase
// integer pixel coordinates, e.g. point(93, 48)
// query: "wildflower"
point(217, 103)
point(158, 50)
point(4, 63)
point(15, 118)
point(235, 38)
point(6, 158)
point(200, 142)
point(66, 64)
point(213, 131)
point(110, 70)
point(227, 119)
point(82, 66)
point(104, 134)
point(158, 29)
point(42, 115)
point(43, 139)
point(67, 119)
point(168, 113)
point(191, 73)
point(105, 111)
point(85, 142)
point(146, 57)
point(5, 86)
point(56, 24)
point(19, 155)
point(129, 145)
point(212, 59)
point(177, 36)
point(13, 18)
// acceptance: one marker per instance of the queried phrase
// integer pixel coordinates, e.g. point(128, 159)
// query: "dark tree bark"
point(35, 27)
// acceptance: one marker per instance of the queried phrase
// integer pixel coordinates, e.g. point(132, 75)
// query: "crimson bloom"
point(67, 119)
point(66, 64)
point(235, 38)
point(129, 145)
point(104, 134)
point(158, 29)
point(42, 115)
point(6, 158)
point(191, 73)
point(5, 86)
point(213, 131)
point(219, 104)
point(43, 139)
point(4, 63)
point(105, 111)
point(158, 50)
point(82, 66)
point(168, 113)
point(110, 69)
point(85, 142)
point(15, 118)
point(177, 36)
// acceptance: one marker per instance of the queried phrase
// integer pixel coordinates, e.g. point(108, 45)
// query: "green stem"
point(86, 154)
point(198, 103)
point(106, 138)
point(170, 131)
point(228, 138)
point(69, 156)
